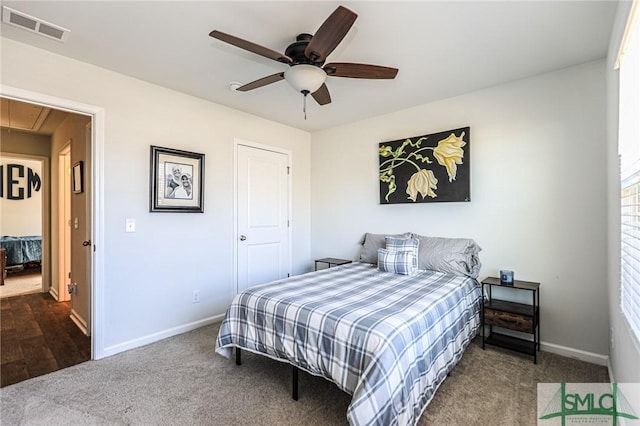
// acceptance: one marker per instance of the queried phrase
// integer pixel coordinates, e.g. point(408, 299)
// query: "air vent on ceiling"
point(35, 25)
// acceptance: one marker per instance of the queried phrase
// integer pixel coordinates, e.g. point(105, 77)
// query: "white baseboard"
point(152, 338)
point(566, 351)
point(81, 323)
point(54, 293)
point(610, 368)
point(579, 354)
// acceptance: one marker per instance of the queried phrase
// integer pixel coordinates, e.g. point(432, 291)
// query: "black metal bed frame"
point(294, 376)
point(294, 380)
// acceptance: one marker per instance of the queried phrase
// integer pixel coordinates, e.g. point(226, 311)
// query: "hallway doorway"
point(24, 213)
point(94, 200)
point(42, 329)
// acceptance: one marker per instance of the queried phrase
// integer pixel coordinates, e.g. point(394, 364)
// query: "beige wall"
point(33, 147)
point(18, 142)
point(72, 130)
point(23, 216)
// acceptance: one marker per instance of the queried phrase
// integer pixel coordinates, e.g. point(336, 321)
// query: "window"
point(629, 150)
point(630, 256)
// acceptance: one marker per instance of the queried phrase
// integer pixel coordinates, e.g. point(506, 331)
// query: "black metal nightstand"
point(332, 261)
point(520, 317)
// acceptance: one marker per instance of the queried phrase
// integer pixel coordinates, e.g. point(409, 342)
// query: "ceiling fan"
point(306, 56)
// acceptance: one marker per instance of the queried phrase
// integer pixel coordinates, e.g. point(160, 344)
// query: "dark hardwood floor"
point(38, 337)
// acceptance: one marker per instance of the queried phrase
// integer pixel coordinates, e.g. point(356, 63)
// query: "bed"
point(22, 250)
point(388, 339)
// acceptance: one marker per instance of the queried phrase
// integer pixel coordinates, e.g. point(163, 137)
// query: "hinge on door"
point(288, 275)
point(288, 225)
point(288, 170)
point(69, 275)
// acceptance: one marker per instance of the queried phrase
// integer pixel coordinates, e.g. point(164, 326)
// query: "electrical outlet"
point(196, 296)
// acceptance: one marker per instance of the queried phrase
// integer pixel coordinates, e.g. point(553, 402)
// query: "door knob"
point(86, 243)
point(242, 237)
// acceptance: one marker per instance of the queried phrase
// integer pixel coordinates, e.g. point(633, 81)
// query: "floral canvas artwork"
point(426, 169)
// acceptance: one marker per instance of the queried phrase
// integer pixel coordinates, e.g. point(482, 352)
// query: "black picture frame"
point(176, 181)
point(77, 177)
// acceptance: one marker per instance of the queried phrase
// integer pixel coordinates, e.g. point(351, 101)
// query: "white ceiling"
point(441, 48)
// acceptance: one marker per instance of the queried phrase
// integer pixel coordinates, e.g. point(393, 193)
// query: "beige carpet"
point(181, 381)
point(21, 283)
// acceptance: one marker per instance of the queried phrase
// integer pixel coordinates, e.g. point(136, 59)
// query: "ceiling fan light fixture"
point(305, 78)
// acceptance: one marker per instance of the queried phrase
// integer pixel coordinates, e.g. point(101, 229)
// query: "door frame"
point(243, 142)
point(97, 116)
point(63, 187)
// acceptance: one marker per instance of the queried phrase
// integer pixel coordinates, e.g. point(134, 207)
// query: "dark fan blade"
point(322, 95)
point(261, 82)
point(330, 34)
point(348, 69)
point(251, 47)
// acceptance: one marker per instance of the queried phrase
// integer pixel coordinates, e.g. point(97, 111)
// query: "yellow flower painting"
point(423, 182)
point(427, 168)
point(449, 153)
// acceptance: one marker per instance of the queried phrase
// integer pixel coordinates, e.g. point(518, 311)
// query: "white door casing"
point(97, 114)
point(64, 223)
point(263, 238)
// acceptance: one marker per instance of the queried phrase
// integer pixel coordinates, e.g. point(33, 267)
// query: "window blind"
point(629, 149)
point(630, 256)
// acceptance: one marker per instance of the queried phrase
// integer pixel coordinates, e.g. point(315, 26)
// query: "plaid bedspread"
point(388, 340)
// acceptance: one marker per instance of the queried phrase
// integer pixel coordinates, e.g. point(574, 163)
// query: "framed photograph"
point(77, 176)
point(177, 181)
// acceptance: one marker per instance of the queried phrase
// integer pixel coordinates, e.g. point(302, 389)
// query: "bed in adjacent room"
point(387, 333)
point(22, 250)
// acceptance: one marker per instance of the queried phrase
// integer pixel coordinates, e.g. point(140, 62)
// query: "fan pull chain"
point(304, 102)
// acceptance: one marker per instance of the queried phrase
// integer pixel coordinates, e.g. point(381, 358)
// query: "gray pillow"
point(450, 255)
point(372, 242)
